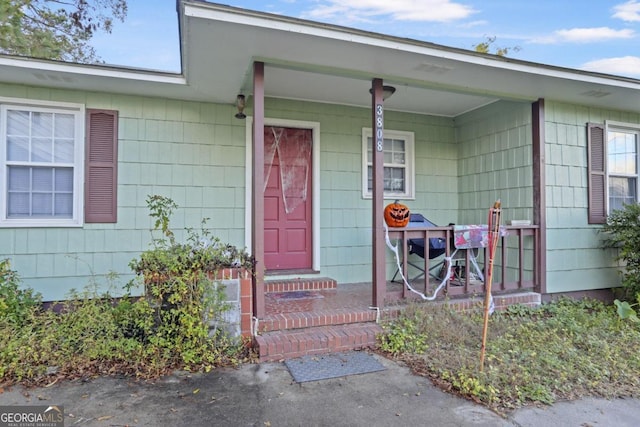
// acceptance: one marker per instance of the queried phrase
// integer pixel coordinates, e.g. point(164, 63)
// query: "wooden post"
point(379, 254)
point(257, 186)
point(539, 199)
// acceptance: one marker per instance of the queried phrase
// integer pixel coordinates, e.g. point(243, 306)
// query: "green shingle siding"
point(574, 258)
point(195, 153)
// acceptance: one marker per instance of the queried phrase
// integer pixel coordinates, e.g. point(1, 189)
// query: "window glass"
point(17, 148)
point(622, 153)
point(41, 163)
point(394, 160)
point(398, 156)
point(18, 123)
point(622, 165)
point(621, 191)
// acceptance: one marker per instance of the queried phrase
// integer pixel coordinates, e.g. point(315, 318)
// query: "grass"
point(562, 350)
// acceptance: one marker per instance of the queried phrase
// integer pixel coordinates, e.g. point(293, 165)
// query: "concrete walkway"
point(266, 395)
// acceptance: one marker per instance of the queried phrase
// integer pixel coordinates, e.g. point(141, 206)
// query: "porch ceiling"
point(326, 63)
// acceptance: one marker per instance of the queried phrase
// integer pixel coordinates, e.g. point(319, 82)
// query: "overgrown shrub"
point(622, 231)
point(201, 252)
point(80, 337)
point(95, 334)
point(179, 291)
point(16, 304)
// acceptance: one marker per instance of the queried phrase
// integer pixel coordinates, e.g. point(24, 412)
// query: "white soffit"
point(98, 78)
point(325, 63)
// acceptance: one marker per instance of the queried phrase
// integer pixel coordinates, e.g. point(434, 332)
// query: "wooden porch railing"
point(515, 267)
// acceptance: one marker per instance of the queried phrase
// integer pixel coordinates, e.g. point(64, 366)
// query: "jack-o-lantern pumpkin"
point(396, 214)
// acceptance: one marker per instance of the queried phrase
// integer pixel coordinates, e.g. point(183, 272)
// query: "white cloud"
point(623, 66)
point(474, 24)
point(629, 11)
point(585, 35)
point(400, 10)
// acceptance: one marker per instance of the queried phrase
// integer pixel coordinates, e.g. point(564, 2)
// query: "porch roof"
point(327, 63)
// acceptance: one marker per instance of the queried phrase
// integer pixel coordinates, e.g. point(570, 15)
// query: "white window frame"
point(78, 111)
point(614, 126)
point(410, 173)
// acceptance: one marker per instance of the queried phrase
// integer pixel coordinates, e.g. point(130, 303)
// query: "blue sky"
point(597, 35)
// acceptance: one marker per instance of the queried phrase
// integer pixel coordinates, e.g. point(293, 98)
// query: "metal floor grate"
point(334, 365)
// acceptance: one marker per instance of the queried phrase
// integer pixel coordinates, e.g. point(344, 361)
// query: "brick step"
point(289, 344)
point(298, 320)
point(501, 300)
point(300, 284)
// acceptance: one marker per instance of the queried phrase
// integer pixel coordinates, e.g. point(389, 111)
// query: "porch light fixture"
point(240, 103)
point(387, 91)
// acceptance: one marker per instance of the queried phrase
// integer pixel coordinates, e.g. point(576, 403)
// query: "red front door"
point(287, 199)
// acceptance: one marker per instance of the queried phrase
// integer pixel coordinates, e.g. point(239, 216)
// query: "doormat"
point(322, 367)
point(294, 295)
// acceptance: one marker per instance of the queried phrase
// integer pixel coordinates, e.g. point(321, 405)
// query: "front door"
point(287, 199)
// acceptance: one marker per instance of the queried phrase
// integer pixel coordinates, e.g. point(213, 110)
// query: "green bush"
point(95, 334)
point(201, 252)
point(179, 290)
point(16, 304)
point(81, 337)
point(622, 231)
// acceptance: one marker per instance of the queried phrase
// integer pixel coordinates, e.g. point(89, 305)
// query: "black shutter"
point(101, 167)
point(596, 170)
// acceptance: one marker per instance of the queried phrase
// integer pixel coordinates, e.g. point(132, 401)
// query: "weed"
point(562, 350)
point(16, 304)
point(626, 310)
point(402, 337)
point(93, 333)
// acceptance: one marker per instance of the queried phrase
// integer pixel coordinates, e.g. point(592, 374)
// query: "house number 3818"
point(379, 125)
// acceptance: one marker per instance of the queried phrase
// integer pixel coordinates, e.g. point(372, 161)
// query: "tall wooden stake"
point(493, 227)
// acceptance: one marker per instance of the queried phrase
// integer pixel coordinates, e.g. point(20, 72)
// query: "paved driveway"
point(266, 395)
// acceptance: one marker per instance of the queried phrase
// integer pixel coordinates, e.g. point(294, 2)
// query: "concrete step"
point(289, 344)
